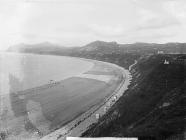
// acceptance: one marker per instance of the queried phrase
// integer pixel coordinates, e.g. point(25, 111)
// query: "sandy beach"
point(81, 123)
point(60, 106)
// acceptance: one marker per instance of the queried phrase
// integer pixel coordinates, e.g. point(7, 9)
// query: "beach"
point(84, 121)
point(62, 103)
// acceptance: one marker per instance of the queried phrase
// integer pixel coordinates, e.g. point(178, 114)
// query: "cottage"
point(97, 116)
point(166, 62)
point(160, 52)
point(115, 98)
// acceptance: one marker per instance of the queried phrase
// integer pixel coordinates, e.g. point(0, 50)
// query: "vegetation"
point(153, 107)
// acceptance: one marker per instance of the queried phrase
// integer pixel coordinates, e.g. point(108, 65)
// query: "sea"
point(29, 106)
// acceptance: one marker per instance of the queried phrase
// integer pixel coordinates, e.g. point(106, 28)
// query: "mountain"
point(35, 48)
point(176, 48)
point(101, 47)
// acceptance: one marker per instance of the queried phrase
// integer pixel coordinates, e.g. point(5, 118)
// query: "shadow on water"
point(14, 117)
point(21, 113)
point(32, 105)
point(18, 104)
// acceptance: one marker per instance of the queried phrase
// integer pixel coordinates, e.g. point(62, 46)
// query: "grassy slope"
point(139, 111)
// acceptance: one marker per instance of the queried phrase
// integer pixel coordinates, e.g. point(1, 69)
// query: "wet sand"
point(39, 111)
point(81, 123)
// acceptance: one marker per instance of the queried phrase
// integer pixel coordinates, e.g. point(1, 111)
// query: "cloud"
point(11, 22)
point(106, 30)
point(157, 22)
point(177, 9)
point(77, 22)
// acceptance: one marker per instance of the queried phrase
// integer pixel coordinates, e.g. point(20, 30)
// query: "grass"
point(138, 110)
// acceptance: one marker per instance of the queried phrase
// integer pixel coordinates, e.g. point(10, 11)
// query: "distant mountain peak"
point(43, 45)
point(98, 42)
point(100, 46)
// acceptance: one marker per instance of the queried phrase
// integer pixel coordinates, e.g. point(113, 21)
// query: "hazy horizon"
point(79, 22)
point(61, 45)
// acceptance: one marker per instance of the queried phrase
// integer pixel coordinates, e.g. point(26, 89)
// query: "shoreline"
point(79, 125)
point(91, 109)
point(19, 60)
point(5, 97)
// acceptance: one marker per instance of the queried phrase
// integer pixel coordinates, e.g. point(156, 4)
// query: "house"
point(97, 116)
point(166, 62)
point(160, 52)
point(115, 98)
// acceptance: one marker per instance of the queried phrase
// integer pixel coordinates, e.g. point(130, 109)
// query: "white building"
point(166, 62)
point(115, 98)
point(160, 52)
point(97, 116)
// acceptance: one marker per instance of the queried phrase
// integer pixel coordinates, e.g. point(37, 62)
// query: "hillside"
point(101, 47)
point(173, 48)
point(153, 107)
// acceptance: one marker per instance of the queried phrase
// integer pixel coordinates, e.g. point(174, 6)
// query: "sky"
point(78, 22)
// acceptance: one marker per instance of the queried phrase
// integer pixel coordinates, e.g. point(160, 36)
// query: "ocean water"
point(24, 113)
point(32, 106)
point(24, 71)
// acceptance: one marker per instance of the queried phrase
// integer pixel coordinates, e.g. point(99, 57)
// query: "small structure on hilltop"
point(164, 105)
point(166, 62)
point(52, 82)
point(160, 52)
